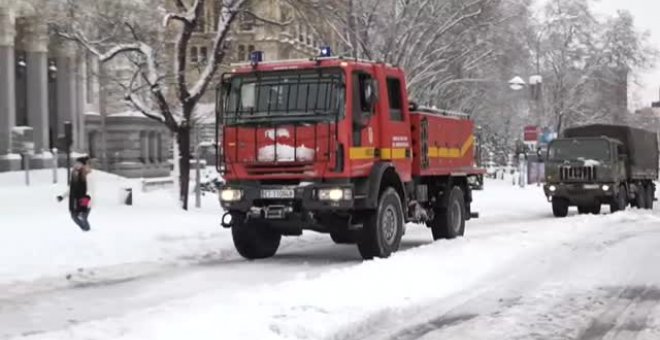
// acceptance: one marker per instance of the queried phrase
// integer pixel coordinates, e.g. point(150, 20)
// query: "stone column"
point(8, 161)
point(81, 101)
point(66, 85)
point(34, 39)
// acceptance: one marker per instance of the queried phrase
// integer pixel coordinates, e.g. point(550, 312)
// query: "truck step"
point(474, 215)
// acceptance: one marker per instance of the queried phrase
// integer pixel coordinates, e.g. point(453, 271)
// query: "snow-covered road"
point(518, 274)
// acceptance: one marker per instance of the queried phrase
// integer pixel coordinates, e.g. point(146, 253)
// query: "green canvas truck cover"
point(640, 145)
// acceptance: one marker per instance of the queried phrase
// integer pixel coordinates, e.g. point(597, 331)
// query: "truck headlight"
point(605, 187)
point(552, 188)
point(231, 195)
point(335, 194)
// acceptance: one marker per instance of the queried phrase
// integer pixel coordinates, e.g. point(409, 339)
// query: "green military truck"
point(601, 164)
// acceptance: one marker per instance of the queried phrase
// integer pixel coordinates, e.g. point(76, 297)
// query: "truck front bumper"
point(580, 193)
point(294, 199)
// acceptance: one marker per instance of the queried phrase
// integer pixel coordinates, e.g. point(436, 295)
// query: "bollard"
point(129, 196)
point(26, 164)
point(55, 158)
point(128, 199)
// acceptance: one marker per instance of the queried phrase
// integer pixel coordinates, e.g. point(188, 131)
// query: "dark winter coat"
point(77, 190)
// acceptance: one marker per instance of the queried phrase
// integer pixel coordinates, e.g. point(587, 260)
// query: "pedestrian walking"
point(80, 193)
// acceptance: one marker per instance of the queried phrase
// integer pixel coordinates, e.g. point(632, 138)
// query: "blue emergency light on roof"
point(326, 51)
point(257, 57)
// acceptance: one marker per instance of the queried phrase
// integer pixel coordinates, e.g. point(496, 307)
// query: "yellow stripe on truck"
point(366, 153)
point(393, 153)
point(362, 153)
point(435, 152)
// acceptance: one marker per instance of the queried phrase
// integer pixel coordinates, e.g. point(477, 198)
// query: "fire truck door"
point(365, 126)
point(395, 125)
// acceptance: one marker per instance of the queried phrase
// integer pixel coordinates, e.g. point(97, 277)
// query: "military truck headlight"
point(335, 194)
point(231, 195)
point(605, 187)
point(552, 188)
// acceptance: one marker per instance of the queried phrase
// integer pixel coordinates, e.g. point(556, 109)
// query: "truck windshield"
point(576, 149)
point(285, 96)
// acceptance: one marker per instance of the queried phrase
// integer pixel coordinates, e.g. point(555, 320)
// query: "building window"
point(153, 148)
point(250, 51)
point(301, 33)
point(194, 57)
point(91, 141)
point(285, 13)
point(201, 23)
point(246, 19)
point(144, 147)
point(241, 53)
point(204, 55)
point(159, 148)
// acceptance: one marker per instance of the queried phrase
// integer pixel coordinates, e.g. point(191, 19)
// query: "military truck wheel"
point(383, 229)
point(449, 221)
point(596, 209)
point(650, 196)
point(620, 201)
point(640, 198)
point(560, 207)
point(254, 240)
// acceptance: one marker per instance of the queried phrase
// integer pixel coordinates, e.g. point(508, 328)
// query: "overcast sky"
point(647, 17)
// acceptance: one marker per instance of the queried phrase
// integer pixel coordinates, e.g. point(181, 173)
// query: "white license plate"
point(591, 186)
point(277, 193)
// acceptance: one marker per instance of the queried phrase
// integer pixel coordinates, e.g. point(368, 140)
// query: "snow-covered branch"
point(228, 15)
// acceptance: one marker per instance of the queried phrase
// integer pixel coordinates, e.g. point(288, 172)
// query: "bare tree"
point(126, 35)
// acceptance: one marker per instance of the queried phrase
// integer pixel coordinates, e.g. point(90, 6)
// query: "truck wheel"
point(254, 240)
point(595, 209)
point(640, 198)
point(620, 201)
point(560, 207)
point(344, 237)
point(382, 230)
point(449, 222)
point(650, 196)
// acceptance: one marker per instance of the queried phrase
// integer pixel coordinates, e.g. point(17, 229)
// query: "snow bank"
point(38, 240)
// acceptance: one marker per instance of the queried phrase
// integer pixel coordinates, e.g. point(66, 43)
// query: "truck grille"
point(297, 168)
point(577, 173)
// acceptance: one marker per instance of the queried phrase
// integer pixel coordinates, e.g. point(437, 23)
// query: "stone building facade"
point(45, 82)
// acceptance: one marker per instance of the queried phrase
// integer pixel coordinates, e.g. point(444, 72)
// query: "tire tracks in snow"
point(508, 290)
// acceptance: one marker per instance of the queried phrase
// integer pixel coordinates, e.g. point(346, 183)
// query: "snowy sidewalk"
point(39, 244)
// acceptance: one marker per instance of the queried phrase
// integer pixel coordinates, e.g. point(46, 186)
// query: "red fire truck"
point(335, 146)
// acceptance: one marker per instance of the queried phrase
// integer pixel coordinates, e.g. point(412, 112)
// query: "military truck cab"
point(601, 164)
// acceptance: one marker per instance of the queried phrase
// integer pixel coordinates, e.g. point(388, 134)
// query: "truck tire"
point(640, 198)
point(650, 196)
point(382, 230)
point(560, 207)
point(620, 201)
point(449, 221)
point(595, 209)
point(344, 237)
point(254, 240)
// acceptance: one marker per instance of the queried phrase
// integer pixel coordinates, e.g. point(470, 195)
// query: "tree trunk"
point(183, 142)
